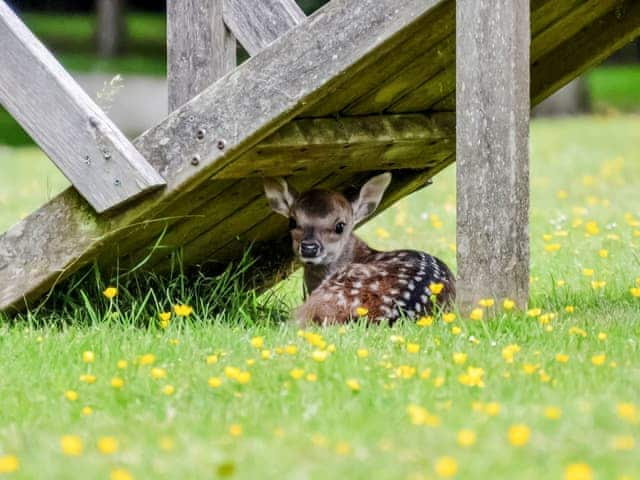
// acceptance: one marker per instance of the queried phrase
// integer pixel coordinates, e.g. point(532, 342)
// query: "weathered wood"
point(429, 93)
point(427, 66)
point(200, 48)
point(551, 21)
point(71, 129)
point(349, 144)
point(235, 113)
point(425, 34)
point(492, 60)
point(256, 24)
point(447, 104)
point(111, 27)
point(569, 25)
point(546, 12)
point(589, 47)
point(412, 65)
point(550, 24)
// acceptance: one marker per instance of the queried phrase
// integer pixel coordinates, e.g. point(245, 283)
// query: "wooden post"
point(492, 63)
point(111, 28)
point(200, 48)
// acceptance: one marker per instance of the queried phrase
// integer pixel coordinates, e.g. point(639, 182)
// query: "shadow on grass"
point(229, 297)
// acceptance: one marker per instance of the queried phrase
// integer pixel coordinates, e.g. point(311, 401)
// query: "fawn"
point(343, 276)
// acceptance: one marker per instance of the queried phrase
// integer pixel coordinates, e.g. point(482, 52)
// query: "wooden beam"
point(427, 66)
point(349, 144)
point(492, 61)
point(570, 24)
point(584, 50)
point(200, 48)
point(549, 28)
point(69, 127)
point(234, 116)
point(257, 24)
point(435, 27)
point(552, 23)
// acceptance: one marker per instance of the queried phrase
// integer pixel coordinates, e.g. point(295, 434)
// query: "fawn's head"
point(321, 221)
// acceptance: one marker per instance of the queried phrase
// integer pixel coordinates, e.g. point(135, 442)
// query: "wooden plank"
point(234, 114)
point(447, 104)
point(69, 127)
point(200, 48)
point(549, 27)
point(492, 60)
point(569, 25)
point(438, 59)
point(257, 24)
point(429, 93)
point(132, 247)
point(589, 47)
point(545, 13)
point(413, 141)
point(427, 66)
point(349, 144)
point(208, 53)
point(426, 34)
point(545, 17)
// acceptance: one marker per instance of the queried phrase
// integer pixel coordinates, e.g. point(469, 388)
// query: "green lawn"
point(553, 395)
point(615, 87)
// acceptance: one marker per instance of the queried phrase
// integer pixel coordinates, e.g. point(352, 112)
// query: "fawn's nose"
point(309, 249)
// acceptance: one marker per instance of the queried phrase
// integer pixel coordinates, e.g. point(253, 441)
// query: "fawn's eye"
point(292, 223)
point(340, 227)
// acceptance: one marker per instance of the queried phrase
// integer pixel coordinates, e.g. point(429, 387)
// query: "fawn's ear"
point(370, 196)
point(280, 195)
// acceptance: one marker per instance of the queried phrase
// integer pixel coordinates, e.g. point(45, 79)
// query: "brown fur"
point(347, 274)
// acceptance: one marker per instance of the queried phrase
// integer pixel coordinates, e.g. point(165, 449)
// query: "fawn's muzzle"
point(309, 249)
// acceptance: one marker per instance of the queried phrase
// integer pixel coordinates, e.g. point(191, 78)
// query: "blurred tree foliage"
point(146, 5)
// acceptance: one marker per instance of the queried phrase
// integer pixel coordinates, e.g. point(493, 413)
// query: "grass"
point(405, 419)
point(615, 87)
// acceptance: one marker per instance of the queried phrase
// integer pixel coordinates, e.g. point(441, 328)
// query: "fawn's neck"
point(356, 251)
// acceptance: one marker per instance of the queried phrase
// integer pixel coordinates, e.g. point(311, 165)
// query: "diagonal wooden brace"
point(69, 127)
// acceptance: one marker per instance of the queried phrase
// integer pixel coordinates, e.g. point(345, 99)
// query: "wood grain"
point(349, 144)
point(200, 48)
point(258, 23)
point(591, 45)
point(426, 33)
